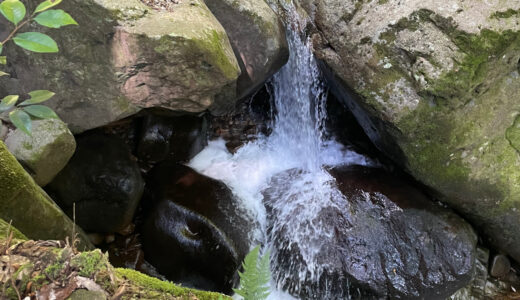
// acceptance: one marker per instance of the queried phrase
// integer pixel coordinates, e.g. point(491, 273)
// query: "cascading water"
point(296, 143)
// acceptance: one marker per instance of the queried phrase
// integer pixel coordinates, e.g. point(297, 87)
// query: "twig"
point(10, 36)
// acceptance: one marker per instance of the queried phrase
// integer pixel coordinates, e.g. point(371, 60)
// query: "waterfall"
point(296, 143)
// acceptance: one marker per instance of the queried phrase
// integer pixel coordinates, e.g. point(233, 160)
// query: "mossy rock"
point(252, 22)
point(437, 85)
point(29, 208)
point(46, 151)
point(6, 228)
point(125, 56)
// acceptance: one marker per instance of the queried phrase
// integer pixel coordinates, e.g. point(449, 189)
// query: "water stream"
point(297, 142)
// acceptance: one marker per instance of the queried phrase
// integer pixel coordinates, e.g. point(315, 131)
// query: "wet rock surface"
point(252, 116)
point(177, 138)
point(194, 232)
point(378, 238)
point(103, 180)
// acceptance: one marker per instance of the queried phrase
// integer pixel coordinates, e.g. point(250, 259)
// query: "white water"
point(296, 142)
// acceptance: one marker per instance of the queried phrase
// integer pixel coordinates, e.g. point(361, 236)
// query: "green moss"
point(89, 263)
point(4, 227)
point(31, 210)
point(481, 52)
point(153, 287)
point(216, 48)
point(505, 14)
point(54, 271)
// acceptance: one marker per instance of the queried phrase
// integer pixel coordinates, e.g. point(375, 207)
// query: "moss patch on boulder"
point(29, 208)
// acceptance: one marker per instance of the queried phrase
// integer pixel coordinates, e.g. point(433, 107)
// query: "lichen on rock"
point(438, 81)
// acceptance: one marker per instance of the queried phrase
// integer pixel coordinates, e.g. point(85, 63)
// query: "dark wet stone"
point(104, 182)
point(176, 138)
point(387, 241)
point(251, 117)
point(194, 232)
point(500, 266)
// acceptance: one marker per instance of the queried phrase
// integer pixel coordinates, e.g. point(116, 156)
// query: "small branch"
point(10, 36)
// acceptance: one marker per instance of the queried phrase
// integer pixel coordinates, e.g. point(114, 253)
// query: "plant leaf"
point(40, 111)
point(1, 48)
point(256, 276)
point(38, 96)
point(13, 10)
point(3, 74)
point(46, 5)
point(55, 18)
point(3, 60)
point(36, 42)
point(8, 102)
point(21, 120)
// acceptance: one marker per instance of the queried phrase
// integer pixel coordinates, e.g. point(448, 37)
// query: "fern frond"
point(256, 276)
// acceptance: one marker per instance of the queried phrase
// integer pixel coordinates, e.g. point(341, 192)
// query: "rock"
point(103, 181)
point(437, 84)
point(500, 266)
point(154, 143)
point(6, 228)
point(249, 119)
point(257, 37)
point(178, 138)
point(374, 237)
point(3, 131)
point(125, 56)
point(194, 233)
point(485, 287)
point(46, 152)
point(31, 210)
point(187, 249)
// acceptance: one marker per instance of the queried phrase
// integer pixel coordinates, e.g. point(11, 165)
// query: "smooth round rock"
point(103, 181)
point(195, 232)
point(500, 266)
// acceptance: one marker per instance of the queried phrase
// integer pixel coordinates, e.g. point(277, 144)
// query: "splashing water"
point(295, 143)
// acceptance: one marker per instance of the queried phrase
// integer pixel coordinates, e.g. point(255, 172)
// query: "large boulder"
point(195, 231)
point(364, 234)
point(102, 182)
point(125, 56)
point(438, 85)
point(257, 37)
point(46, 151)
point(29, 208)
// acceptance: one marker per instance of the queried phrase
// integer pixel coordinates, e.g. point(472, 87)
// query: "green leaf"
point(36, 42)
point(13, 10)
point(1, 48)
point(3, 74)
point(256, 276)
point(40, 111)
point(8, 102)
point(38, 96)
point(55, 18)
point(21, 120)
point(46, 5)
